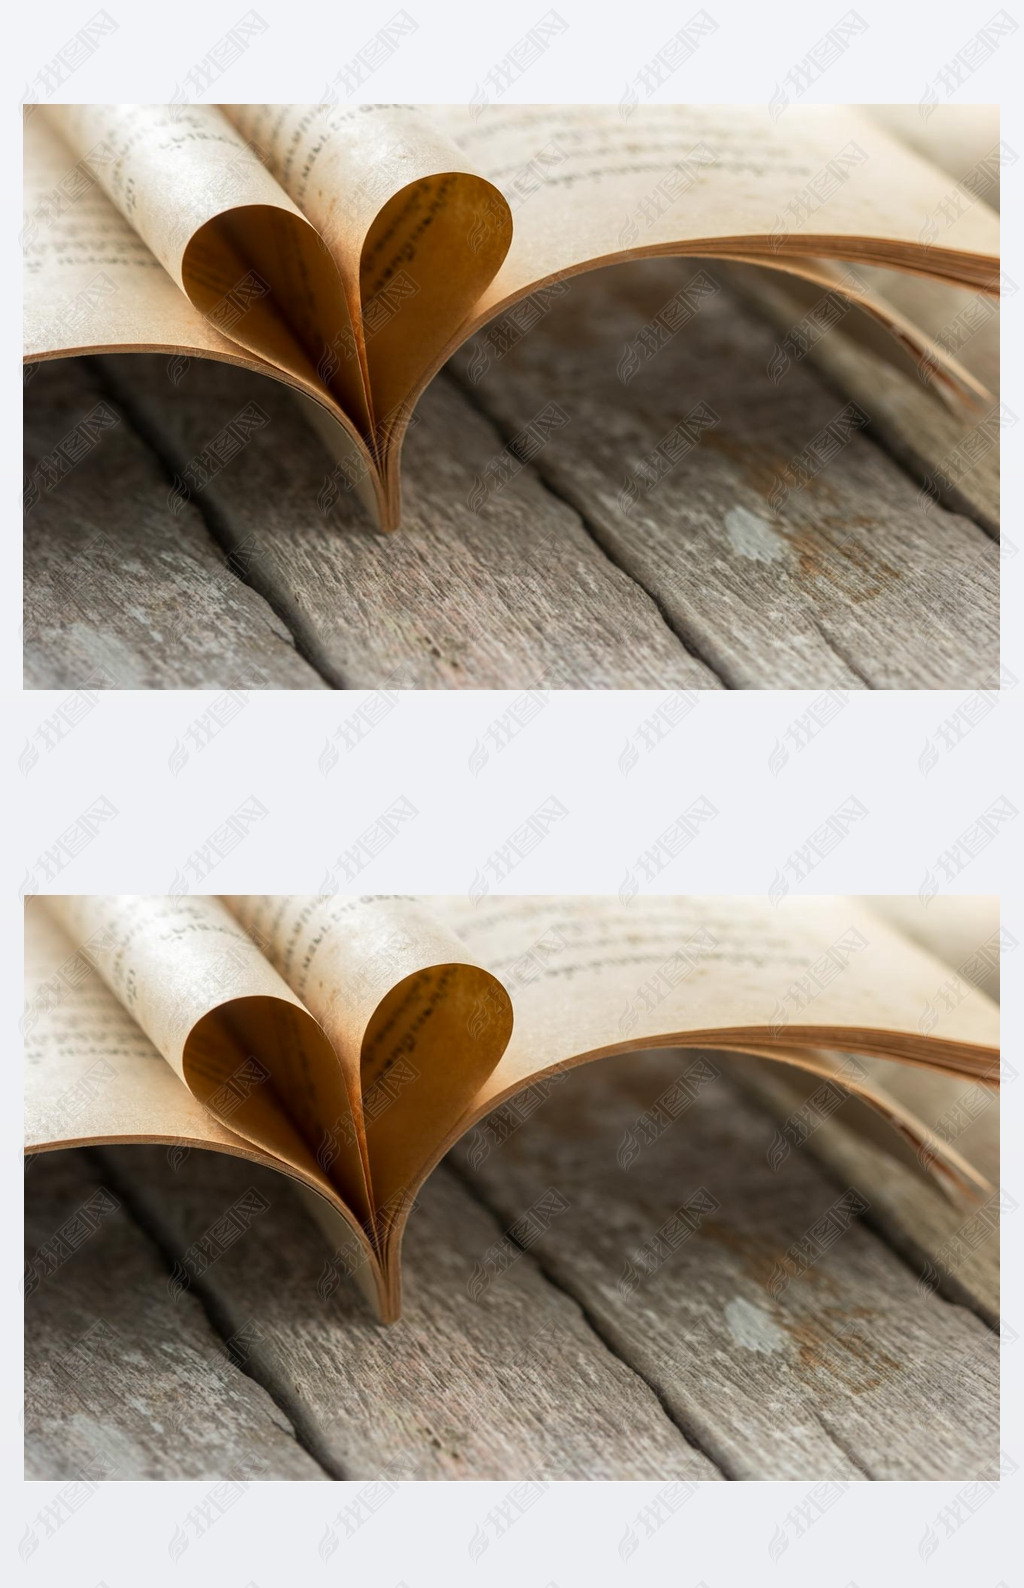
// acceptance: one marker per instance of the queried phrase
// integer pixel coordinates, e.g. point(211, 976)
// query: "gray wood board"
point(517, 596)
point(608, 554)
point(124, 590)
point(121, 1381)
point(955, 1246)
point(784, 557)
point(784, 1349)
point(933, 442)
point(511, 1383)
point(603, 1348)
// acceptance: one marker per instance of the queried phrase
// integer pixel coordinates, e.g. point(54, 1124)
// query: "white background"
point(421, 751)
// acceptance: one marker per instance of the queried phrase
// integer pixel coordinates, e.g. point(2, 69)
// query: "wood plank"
point(854, 579)
point(847, 579)
point(846, 1368)
point(504, 1382)
point(516, 597)
point(930, 440)
point(122, 589)
point(122, 1381)
point(783, 1355)
point(954, 1247)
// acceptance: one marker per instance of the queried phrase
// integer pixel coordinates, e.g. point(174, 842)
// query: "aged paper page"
point(92, 1077)
point(91, 1073)
point(415, 995)
point(963, 141)
point(226, 1023)
point(961, 930)
point(964, 932)
point(226, 233)
point(417, 1024)
point(399, 208)
point(591, 975)
point(959, 139)
point(585, 187)
point(91, 283)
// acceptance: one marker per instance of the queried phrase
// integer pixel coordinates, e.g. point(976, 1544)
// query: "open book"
point(349, 1042)
point(349, 250)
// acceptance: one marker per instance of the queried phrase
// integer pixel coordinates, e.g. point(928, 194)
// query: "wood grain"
point(121, 1381)
point(925, 436)
point(507, 1383)
point(917, 1219)
point(519, 596)
point(601, 1349)
point(845, 1367)
point(701, 575)
point(122, 591)
point(850, 579)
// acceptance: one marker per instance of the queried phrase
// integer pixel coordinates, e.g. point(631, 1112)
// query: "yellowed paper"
point(94, 285)
point(93, 1076)
point(351, 1041)
point(91, 1073)
point(91, 283)
point(416, 1024)
point(398, 207)
point(963, 931)
point(227, 1024)
point(352, 249)
point(223, 229)
point(812, 972)
point(962, 140)
point(586, 187)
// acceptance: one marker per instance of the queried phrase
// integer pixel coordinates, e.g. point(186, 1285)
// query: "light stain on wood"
point(553, 581)
point(555, 1369)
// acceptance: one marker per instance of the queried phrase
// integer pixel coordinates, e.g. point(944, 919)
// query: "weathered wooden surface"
point(933, 442)
point(116, 1371)
point(600, 1350)
point(517, 596)
point(851, 578)
point(706, 578)
point(508, 1383)
point(121, 591)
point(838, 1363)
point(957, 1246)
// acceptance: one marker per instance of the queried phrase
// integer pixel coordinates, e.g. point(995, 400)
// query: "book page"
point(964, 932)
point(399, 207)
point(418, 1025)
point(961, 930)
point(963, 141)
point(91, 284)
point(599, 975)
point(263, 1008)
point(228, 236)
point(956, 138)
point(91, 1073)
point(351, 249)
point(592, 976)
point(93, 1077)
point(225, 1022)
point(586, 186)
